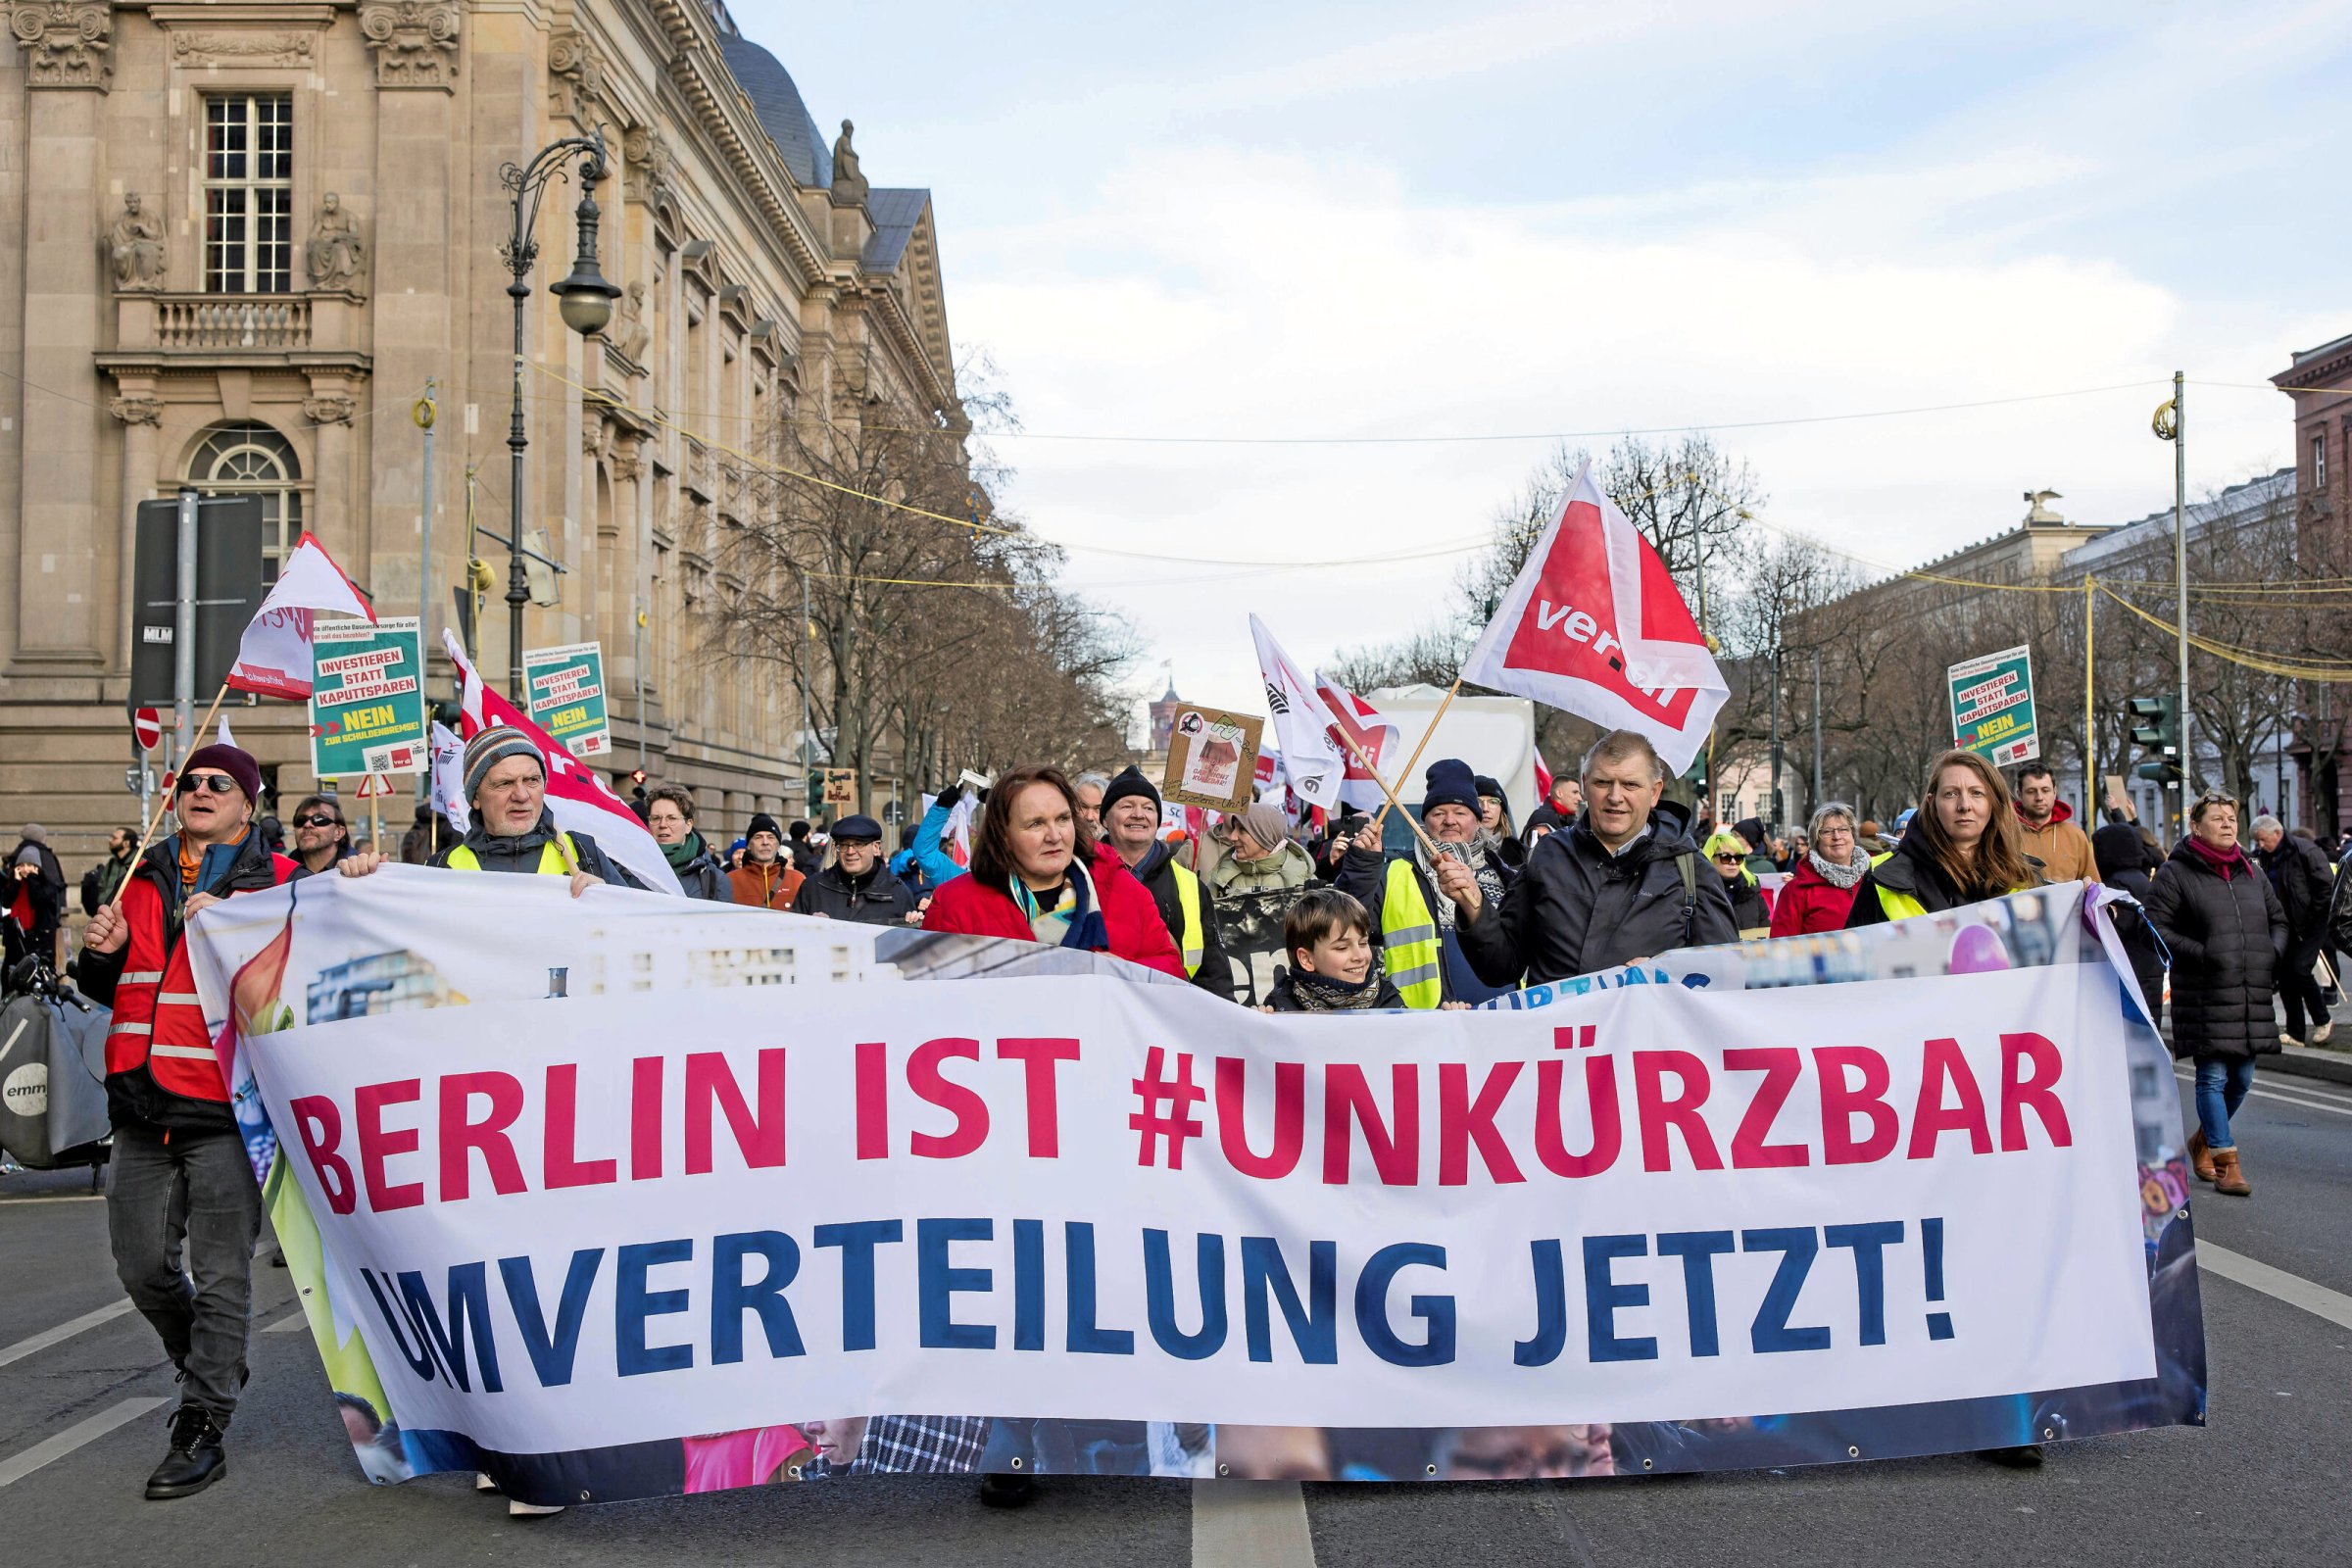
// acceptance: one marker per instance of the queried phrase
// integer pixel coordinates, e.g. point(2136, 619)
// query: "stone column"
point(60, 589)
point(336, 519)
point(141, 414)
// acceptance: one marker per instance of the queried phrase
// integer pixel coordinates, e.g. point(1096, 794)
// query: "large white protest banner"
point(586, 1197)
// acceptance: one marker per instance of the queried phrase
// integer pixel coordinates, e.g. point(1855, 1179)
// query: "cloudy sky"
point(1339, 232)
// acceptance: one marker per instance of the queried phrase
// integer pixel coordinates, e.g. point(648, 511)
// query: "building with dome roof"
point(242, 238)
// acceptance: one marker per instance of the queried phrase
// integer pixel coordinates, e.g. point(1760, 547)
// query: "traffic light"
point(2156, 727)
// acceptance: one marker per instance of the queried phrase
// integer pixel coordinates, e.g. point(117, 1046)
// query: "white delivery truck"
point(1495, 735)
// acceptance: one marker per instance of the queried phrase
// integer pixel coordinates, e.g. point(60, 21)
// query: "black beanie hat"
point(762, 822)
point(1449, 781)
point(1130, 782)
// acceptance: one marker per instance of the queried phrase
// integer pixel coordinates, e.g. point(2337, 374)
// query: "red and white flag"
point(1313, 758)
point(577, 795)
point(1594, 625)
point(1375, 735)
point(273, 657)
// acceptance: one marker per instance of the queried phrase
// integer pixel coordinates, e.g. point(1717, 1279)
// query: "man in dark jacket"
point(670, 817)
point(513, 831)
point(1423, 941)
point(857, 886)
point(2299, 873)
point(1131, 813)
point(806, 858)
point(1622, 882)
point(100, 882)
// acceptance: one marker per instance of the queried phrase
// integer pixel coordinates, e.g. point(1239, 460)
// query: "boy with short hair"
point(1333, 967)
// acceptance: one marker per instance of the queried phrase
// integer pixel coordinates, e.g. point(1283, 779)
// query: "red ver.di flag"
point(1594, 625)
point(1374, 735)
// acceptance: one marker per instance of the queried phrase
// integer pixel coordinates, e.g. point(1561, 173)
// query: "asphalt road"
point(2263, 1485)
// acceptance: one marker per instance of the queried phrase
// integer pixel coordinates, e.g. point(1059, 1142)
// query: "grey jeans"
point(192, 1194)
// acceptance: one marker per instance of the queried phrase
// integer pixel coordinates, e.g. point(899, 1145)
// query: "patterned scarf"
point(1072, 920)
point(1482, 864)
point(1840, 876)
point(1317, 993)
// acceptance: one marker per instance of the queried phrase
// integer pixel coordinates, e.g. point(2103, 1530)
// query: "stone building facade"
point(243, 236)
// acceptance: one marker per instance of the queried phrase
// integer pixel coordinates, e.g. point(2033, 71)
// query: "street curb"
point(2304, 1063)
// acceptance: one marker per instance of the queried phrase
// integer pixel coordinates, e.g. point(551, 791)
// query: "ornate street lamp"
point(586, 299)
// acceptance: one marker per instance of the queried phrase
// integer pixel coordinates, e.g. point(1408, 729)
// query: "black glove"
point(949, 795)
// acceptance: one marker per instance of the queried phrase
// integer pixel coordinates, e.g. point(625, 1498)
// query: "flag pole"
point(162, 800)
point(1407, 771)
point(1341, 730)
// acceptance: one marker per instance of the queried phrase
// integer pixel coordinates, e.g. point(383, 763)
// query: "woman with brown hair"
point(1960, 849)
point(1037, 876)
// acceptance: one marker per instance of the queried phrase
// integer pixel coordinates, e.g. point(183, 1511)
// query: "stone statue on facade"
point(135, 247)
point(848, 186)
point(336, 257)
point(631, 336)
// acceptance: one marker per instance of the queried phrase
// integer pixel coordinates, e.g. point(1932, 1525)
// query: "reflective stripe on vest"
point(1409, 936)
point(158, 1025)
point(1897, 906)
point(1188, 898)
point(551, 860)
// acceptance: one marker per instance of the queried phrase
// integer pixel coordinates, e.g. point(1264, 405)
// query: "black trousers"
point(192, 1199)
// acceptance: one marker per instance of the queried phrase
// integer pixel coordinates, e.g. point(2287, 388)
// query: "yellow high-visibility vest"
point(1188, 898)
point(1408, 934)
point(551, 858)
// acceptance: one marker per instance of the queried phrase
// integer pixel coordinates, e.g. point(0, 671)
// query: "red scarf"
point(2221, 860)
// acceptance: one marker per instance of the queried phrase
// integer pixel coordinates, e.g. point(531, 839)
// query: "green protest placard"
point(1993, 708)
point(567, 695)
point(366, 698)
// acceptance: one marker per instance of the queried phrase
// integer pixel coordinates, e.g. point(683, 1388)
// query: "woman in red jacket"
point(1037, 876)
point(1817, 897)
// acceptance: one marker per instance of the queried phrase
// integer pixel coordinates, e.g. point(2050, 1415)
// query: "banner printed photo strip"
point(1855, 1231)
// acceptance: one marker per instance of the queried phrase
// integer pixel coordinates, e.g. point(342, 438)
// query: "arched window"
point(253, 460)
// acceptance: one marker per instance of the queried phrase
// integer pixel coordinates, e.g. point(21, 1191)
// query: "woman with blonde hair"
point(1963, 847)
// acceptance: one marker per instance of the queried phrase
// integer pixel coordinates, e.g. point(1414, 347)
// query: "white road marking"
point(82, 1431)
point(290, 1323)
point(1250, 1524)
point(2329, 1104)
point(68, 1198)
point(2292, 1289)
point(63, 1332)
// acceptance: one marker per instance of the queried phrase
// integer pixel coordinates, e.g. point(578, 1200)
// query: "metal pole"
point(2091, 707)
point(423, 414)
point(518, 583)
point(637, 663)
point(2189, 751)
point(183, 634)
point(1771, 809)
point(1816, 804)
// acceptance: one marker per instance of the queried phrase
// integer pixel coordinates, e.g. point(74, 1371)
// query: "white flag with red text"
point(1375, 735)
point(273, 657)
point(1313, 758)
point(577, 795)
point(1594, 625)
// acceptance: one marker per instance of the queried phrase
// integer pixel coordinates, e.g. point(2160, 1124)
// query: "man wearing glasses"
point(320, 838)
point(180, 1167)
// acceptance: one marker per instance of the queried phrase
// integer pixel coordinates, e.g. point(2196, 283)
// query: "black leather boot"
point(196, 1460)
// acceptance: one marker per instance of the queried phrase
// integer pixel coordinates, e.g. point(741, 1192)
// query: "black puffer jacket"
point(2124, 860)
point(1576, 908)
point(521, 854)
point(2225, 934)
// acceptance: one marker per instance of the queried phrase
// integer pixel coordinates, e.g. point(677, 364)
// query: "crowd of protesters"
point(1356, 913)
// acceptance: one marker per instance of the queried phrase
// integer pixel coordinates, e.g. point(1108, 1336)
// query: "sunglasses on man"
point(215, 783)
point(317, 819)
